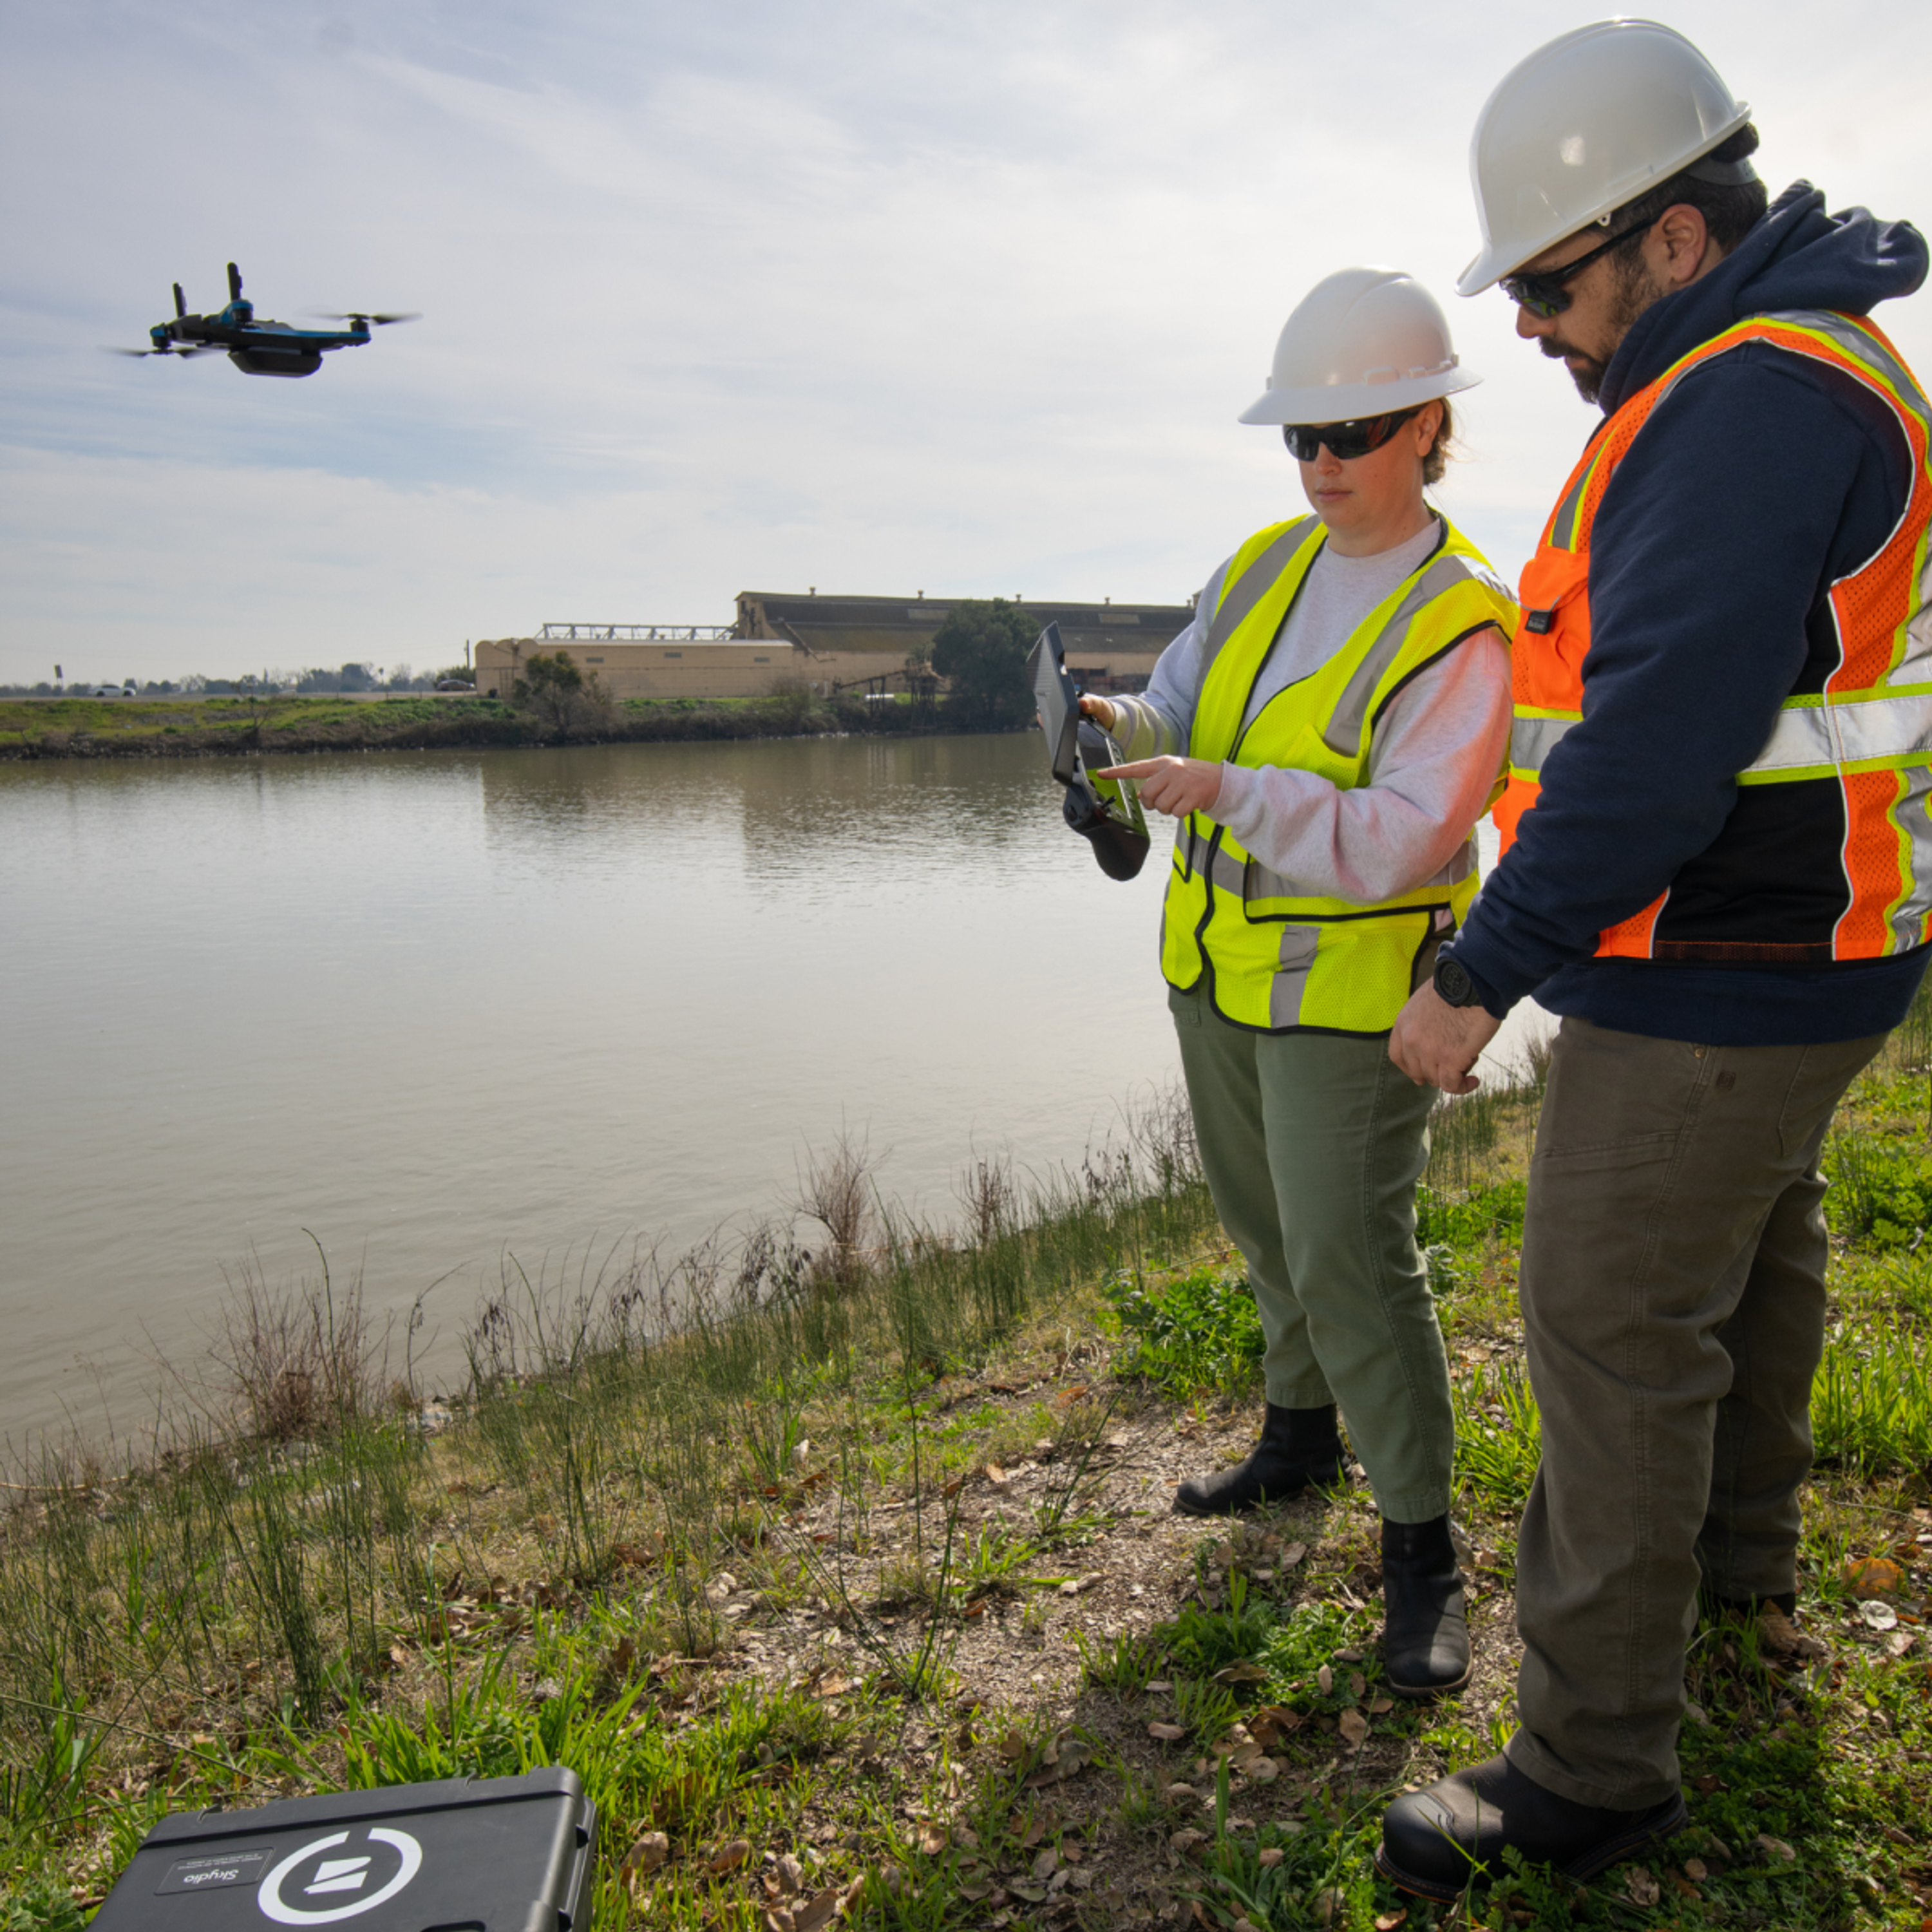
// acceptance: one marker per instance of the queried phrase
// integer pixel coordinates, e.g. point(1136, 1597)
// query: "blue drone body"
point(256, 348)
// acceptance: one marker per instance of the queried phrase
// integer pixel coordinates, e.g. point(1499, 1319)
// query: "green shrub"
point(1199, 1330)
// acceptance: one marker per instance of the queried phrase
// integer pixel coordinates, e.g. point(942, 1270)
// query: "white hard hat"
point(1586, 124)
point(1361, 342)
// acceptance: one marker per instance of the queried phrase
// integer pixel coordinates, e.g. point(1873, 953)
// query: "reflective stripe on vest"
point(1868, 733)
point(1276, 958)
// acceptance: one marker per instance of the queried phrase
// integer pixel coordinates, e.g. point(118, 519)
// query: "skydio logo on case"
point(360, 1878)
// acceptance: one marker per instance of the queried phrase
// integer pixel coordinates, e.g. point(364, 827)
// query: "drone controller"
point(1106, 812)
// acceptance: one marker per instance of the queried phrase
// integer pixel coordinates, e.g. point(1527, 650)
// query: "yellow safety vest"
point(1277, 960)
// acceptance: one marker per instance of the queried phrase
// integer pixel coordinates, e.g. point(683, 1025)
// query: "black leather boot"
point(1425, 1637)
point(1299, 1449)
point(1434, 1842)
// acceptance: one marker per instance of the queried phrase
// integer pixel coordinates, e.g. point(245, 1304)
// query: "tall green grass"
point(220, 1620)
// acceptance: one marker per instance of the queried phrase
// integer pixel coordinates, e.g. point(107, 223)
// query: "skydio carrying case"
point(464, 1855)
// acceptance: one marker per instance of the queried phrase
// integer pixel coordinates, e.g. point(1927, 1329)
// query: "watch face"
point(1453, 983)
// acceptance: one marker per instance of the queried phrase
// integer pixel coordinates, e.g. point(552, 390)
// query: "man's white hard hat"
point(1361, 342)
point(1593, 120)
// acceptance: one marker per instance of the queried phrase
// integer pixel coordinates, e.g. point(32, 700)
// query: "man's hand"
point(1175, 786)
point(1436, 1044)
point(1102, 713)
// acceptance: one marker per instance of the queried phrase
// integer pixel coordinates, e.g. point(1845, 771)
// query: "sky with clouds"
point(879, 296)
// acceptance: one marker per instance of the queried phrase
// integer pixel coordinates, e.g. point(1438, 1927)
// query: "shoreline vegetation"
point(245, 726)
point(841, 1567)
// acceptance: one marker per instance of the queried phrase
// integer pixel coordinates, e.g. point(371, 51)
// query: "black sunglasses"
point(1545, 292)
point(1346, 440)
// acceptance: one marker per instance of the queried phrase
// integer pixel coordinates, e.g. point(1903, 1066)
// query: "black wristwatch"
point(1453, 986)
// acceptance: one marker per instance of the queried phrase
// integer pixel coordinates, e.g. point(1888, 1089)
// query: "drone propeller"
point(201, 349)
point(364, 315)
point(234, 282)
point(181, 304)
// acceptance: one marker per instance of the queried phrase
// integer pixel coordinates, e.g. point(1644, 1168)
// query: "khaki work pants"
point(1313, 1144)
point(1673, 1296)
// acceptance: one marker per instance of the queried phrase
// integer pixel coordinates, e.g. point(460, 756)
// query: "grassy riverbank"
point(856, 1591)
point(85, 728)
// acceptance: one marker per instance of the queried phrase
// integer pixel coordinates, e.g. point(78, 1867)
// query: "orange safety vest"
point(1840, 792)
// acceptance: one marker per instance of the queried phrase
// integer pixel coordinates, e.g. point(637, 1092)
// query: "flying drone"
point(256, 348)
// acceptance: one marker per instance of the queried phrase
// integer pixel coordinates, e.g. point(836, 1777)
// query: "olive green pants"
point(1313, 1144)
point(1673, 1300)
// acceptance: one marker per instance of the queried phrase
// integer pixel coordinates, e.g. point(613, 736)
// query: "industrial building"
point(785, 639)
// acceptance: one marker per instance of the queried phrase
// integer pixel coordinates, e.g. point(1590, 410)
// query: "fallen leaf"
point(790, 1874)
point(729, 1858)
point(1044, 1866)
point(1774, 1848)
point(1696, 1870)
point(819, 1910)
point(1353, 1725)
point(1878, 1616)
point(1184, 1842)
point(997, 1476)
point(1293, 1555)
point(931, 1838)
point(1182, 1794)
point(1271, 1722)
point(1241, 1673)
point(647, 1854)
point(1159, 1684)
point(776, 1919)
point(1327, 1903)
point(1644, 1890)
point(1382, 1707)
point(1269, 1856)
point(1357, 1684)
point(1386, 1921)
point(1168, 1734)
point(1324, 1679)
point(1778, 1633)
point(1872, 1575)
point(1260, 1770)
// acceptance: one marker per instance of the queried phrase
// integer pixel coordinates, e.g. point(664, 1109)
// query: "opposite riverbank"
point(190, 727)
point(853, 1593)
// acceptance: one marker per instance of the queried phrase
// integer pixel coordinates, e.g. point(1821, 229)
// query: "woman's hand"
point(1175, 786)
point(1098, 709)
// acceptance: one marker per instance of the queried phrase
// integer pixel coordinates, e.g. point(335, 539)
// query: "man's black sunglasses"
point(1545, 292)
point(1346, 440)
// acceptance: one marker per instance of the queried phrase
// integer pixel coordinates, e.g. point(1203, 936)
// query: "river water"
point(442, 1009)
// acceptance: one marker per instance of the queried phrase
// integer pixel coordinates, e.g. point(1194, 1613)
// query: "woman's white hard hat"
point(1361, 342)
point(1595, 118)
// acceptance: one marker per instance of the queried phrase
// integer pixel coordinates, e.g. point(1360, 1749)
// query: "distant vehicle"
point(115, 691)
point(453, 684)
point(256, 348)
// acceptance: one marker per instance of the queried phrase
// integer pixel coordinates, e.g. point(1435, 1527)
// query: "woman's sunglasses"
point(1547, 292)
point(1346, 440)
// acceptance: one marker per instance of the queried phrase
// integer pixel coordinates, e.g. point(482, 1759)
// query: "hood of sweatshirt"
point(1797, 257)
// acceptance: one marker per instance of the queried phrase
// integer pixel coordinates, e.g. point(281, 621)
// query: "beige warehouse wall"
point(746, 670)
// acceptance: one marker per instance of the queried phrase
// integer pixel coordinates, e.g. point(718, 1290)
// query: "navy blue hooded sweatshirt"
point(1761, 479)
